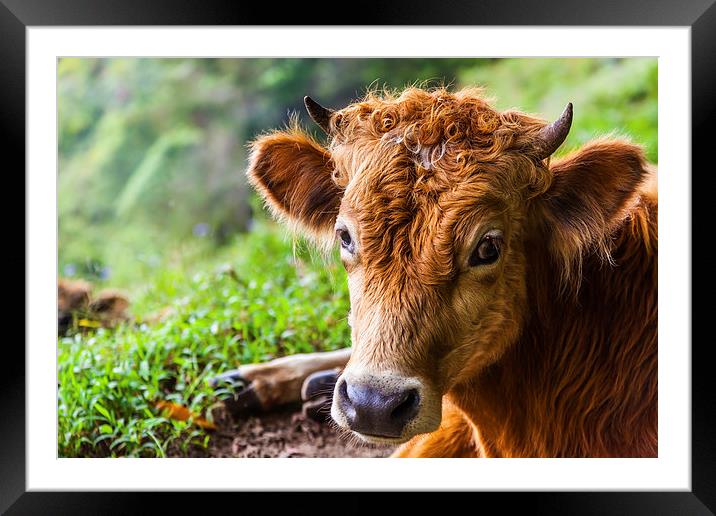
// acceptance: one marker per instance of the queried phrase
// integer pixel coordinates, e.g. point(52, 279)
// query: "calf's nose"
point(377, 411)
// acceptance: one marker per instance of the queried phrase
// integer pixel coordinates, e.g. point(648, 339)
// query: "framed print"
point(141, 127)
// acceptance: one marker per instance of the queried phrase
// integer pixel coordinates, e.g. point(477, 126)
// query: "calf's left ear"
point(294, 175)
point(590, 193)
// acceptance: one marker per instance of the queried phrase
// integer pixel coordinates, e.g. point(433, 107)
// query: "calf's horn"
point(553, 135)
point(318, 113)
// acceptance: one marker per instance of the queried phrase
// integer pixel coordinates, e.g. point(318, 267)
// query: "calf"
point(75, 300)
point(503, 304)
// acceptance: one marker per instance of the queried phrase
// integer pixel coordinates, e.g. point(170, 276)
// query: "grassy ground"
point(259, 300)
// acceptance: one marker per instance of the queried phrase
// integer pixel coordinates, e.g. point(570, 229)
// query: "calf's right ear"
point(294, 175)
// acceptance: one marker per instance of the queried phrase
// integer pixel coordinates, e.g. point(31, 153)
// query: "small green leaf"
point(102, 410)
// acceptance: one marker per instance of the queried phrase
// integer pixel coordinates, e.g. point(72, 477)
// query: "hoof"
point(243, 400)
point(227, 379)
point(317, 394)
point(320, 383)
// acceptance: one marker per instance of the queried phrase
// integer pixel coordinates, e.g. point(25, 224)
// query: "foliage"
point(610, 96)
point(264, 302)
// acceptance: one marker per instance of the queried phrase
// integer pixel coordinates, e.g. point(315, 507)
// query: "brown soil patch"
point(279, 434)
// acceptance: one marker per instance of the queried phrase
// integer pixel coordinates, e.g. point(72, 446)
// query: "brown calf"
point(75, 300)
point(502, 304)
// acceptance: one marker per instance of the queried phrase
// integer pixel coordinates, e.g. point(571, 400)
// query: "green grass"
point(260, 300)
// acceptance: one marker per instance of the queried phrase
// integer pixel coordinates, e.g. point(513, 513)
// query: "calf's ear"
point(590, 194)
point(294, 175)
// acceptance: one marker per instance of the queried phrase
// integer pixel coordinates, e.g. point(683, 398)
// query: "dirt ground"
point(287, 433)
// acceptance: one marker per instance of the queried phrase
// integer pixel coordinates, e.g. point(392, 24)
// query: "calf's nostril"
point(343, 390)
point(407, 406)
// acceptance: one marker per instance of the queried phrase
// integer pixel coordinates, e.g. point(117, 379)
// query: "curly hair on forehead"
point(458, 133)
point(423, 118)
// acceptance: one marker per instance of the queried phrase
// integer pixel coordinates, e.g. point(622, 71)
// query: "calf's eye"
point(487, 250)
point(346, 240)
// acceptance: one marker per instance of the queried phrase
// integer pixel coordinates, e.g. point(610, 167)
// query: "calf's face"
point(430, 197)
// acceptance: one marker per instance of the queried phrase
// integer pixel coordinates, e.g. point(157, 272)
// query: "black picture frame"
point(17, 15)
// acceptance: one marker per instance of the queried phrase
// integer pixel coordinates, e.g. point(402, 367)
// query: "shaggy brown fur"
point(551, 351)
point(582, 378)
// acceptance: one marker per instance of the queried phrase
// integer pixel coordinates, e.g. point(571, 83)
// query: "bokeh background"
point(152, 199)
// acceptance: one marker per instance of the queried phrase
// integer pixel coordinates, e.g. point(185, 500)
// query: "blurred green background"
point(152, 199)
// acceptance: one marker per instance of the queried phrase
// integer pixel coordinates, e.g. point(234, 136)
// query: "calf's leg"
point(280, 381)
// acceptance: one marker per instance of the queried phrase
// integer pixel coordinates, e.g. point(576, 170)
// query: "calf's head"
point(432, 197)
